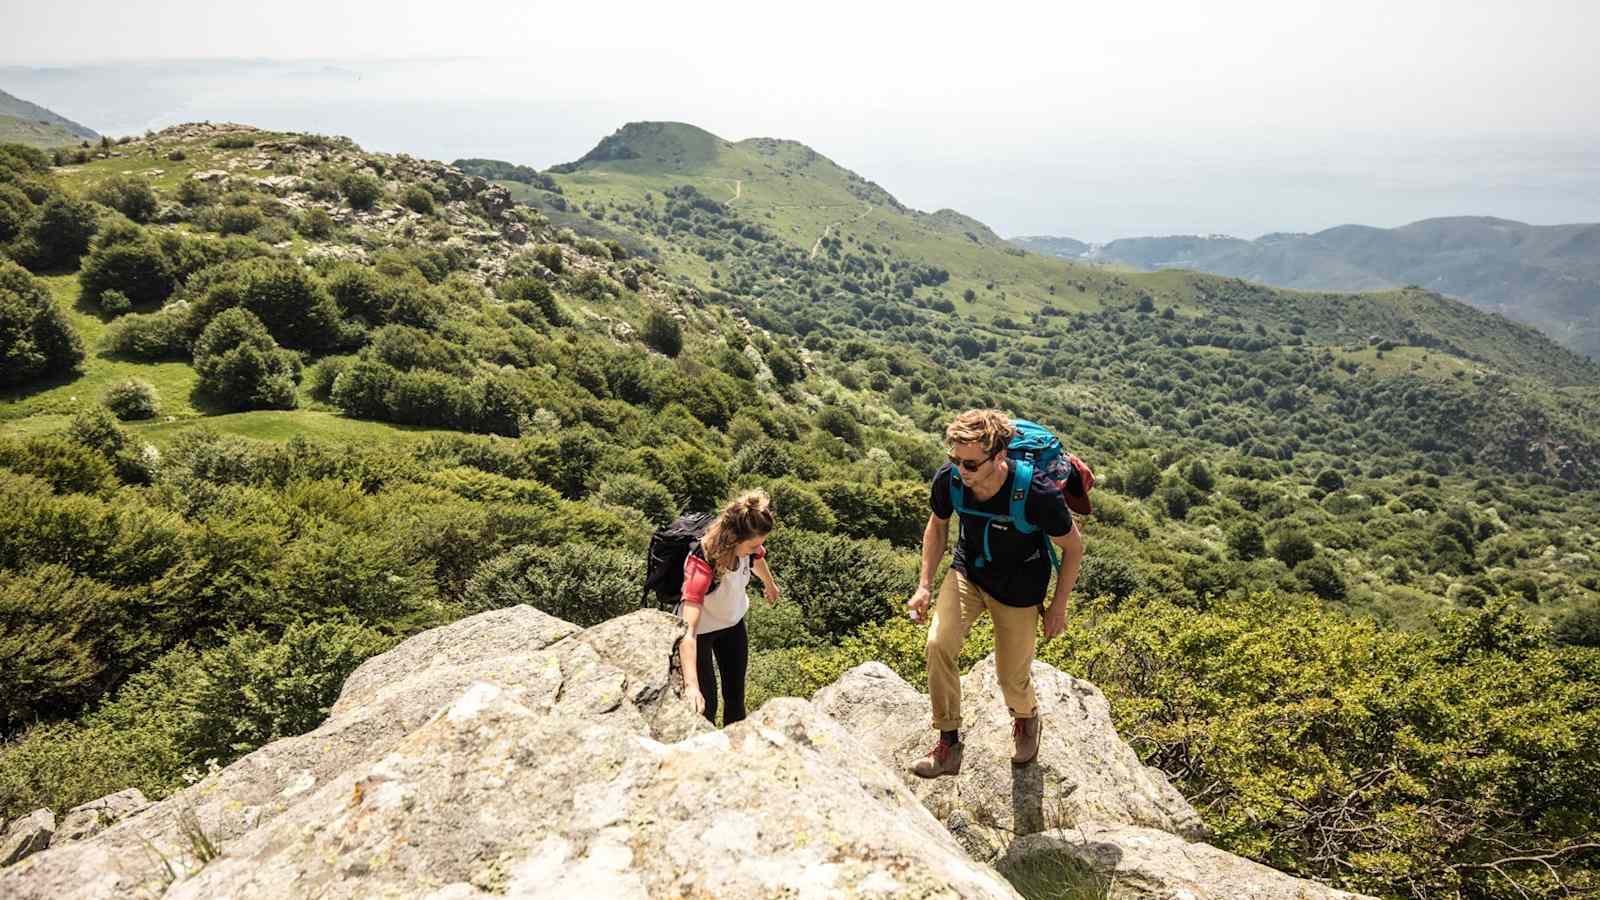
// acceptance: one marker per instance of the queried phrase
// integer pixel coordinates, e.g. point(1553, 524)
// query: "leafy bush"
point(295, 308)
point(535, 291)
point(235, 141)
point(638, 492)
point(240, 364)
point(1108, 572)
point(581, 583)
point(131, 399)
point(662, 332)
point(36, 340)
point(50, 623)
point(841, 583)
point(253, 690)
point(128, 195)
point(151, 336)
point(135, 268)
point(317, 224)
point(361, 191)
point(417, 199)
point(1293, 547)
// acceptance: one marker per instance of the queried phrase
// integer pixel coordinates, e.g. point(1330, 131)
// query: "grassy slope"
point(44, 135)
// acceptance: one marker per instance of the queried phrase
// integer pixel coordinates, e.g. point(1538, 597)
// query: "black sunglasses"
point(969, 464)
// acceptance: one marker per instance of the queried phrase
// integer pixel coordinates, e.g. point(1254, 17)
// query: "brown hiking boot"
point(943, 759)
point(1025, 733)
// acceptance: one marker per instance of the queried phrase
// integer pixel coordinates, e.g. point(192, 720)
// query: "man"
point(997, 569)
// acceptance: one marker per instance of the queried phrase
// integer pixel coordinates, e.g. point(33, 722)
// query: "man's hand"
point(1055, 619)
point(918, 604)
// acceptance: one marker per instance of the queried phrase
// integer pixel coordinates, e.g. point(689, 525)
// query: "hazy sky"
point(1091, 120)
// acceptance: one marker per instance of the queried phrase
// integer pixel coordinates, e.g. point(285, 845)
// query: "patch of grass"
point(1056, 876)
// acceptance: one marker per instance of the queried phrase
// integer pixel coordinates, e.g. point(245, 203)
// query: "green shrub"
point(253, 690)
point(361, 191)
point(841, 424)
point(581, 583)
point(1293, 547)
point(535, 291)
point(131, 399)
point(895, 511)
point(638, 492)
point(50, 624)
point(293, 305)
point(127, 194)
point(840, 582)
point(241, 365)
point(193, 192)
point(136, 269)
point(417, 199)
point(662, 332)
point(1246, 541)
point(152, 336)
point(1108, 572)
point(36, 340)
point(316, 224)
point(1321, 576)
point(235, 141)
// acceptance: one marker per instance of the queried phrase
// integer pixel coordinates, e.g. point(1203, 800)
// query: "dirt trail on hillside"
point(829, 230)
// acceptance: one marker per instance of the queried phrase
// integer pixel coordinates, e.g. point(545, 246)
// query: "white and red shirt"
point(725, 605)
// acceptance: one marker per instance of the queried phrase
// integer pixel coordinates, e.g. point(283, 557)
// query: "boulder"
point(1126, 862)
point(27, 836)
point(1084, 770)
point(95, 816)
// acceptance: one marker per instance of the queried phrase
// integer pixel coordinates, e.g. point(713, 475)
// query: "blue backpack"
point(1034, 448)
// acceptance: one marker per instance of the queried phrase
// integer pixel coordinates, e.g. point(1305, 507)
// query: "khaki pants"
point(1016, 631)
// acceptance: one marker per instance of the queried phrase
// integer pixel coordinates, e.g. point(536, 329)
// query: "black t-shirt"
point(1018, 570)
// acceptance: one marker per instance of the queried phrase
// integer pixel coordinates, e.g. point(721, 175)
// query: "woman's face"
point(745, 548)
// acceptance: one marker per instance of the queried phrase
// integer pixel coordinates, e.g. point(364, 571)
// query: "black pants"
point(731, 649)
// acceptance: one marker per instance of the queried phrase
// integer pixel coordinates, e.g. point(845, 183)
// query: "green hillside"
point(359, 394)
point(27, 123)
point(1547, 276)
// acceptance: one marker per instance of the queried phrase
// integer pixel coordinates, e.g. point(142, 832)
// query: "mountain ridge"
point(28, 123)
point(1545, 275)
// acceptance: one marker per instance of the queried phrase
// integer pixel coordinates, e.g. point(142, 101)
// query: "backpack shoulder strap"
point(1021, 483)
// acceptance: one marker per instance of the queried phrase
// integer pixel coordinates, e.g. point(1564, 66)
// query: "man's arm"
point(933, 544)
point(1055, 616)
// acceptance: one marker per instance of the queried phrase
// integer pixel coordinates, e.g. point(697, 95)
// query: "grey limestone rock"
point(1084, 769)
point(95, 816)
point(27, 836)
point(1148, 864)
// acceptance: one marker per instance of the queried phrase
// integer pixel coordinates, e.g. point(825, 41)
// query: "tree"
point(1246, 541)
point(1293, 547)
point(61, 232)
point(36, 339)
point(135, 268)
point(240, 364)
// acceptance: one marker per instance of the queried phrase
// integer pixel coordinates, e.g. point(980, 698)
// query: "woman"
point(715, 575)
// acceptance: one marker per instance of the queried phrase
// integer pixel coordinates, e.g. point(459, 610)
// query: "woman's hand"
point(691, 693)
point(771, 592)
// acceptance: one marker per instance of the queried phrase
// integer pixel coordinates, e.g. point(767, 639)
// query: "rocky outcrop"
point(1084, 770)
point(513, 754)
point(89, 819)
point(1135, 863)
point(510, 754)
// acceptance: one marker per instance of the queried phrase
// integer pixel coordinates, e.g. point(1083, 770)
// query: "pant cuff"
point(946, 724)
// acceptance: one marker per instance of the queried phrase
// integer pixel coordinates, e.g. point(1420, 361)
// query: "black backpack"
point(669, 547)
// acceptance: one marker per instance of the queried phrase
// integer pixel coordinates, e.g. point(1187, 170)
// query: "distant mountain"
point(1545, 275)
point(22, 122)
point(1064, 247)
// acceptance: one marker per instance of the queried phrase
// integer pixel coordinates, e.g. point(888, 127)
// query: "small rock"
point(96, 815)
point(27, 836)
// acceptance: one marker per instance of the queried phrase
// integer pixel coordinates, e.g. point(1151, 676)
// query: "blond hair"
point(990, 429)
point(748, 515)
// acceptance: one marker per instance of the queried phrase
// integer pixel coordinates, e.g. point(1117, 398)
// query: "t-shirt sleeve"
point(696, 579)
point(939, 494)
point(761, 553)
point(1048, 509)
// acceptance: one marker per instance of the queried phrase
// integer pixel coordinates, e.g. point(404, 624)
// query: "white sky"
point(1094, 120)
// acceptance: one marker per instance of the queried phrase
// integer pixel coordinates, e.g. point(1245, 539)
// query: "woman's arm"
point(688, 651)
point(770, 585)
